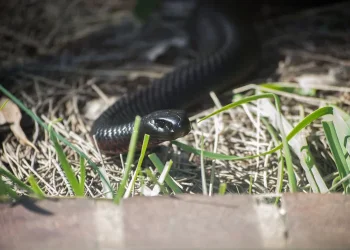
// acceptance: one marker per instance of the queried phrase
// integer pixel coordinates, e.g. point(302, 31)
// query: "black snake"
point(162, 105)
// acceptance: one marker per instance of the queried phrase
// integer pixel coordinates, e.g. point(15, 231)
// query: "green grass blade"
point(250, 184)
point(37, 190)
point(129, 160)
point(342, 126)
point(222, 188)
point(6, 189)
point(335, 182)
point(338, 181)
point(59, 137)
point(168, 179)
point(204, 181)
point(287, 87)
point(286, 150)
point(336, 149)
point(4, 104)
point(15, 180)
point(65, 164)
point(82, 174)
point(139, 164)
point(238, 103)
point(205, 153)
point(280, 173)
point(3, 190)
point(290, 170)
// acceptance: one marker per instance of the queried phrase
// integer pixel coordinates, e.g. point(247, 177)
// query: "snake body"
point(162, 105)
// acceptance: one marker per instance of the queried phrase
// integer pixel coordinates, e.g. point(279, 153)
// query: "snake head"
point(166, 125)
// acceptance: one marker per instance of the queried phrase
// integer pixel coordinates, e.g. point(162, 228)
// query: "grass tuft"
point(35, 187)
point(58, 136)
point(336, 128)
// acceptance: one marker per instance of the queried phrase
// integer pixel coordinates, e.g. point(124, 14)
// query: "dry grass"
point(310, 43)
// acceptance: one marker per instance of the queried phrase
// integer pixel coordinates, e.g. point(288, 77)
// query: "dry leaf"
point(11, 114)
point(95, 107)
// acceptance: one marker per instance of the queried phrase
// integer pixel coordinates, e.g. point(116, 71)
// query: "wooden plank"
point(184, 221)
point(58, 224)
point(190, 221)
point(317, 221)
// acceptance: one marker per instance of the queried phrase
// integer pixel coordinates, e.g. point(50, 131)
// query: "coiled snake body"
point(162, 105)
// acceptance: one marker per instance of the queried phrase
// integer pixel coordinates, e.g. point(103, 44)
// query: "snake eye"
point(163, 124)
